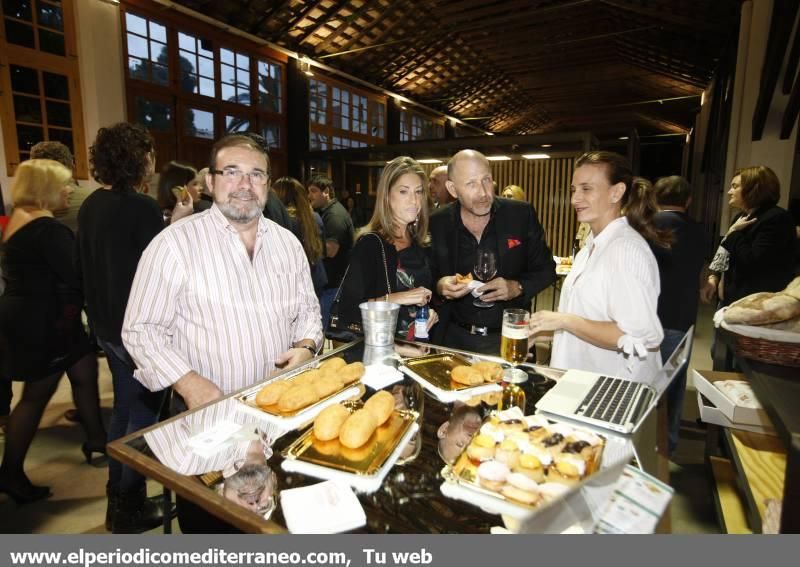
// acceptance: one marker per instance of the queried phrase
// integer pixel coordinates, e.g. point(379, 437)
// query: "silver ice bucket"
point(379, 321)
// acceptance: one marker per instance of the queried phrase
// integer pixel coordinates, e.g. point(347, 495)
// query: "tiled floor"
point(78, 503)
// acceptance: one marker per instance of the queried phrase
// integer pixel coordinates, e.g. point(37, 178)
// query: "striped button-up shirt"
point(200, 303)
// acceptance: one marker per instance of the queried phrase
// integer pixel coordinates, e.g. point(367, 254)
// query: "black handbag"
point(346, 331)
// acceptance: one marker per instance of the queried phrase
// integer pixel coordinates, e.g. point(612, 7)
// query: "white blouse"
point(613, 278)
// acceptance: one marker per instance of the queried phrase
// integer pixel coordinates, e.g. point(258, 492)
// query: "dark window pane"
point(137, 69)
point(135, 24)
point(20, 34)
point(50, 16)
point(153, 114)
point(236, 124)
point(63, 136)
point(56, 86)
point(158, 53)
point(160, 74)
point(27, 136)
point(199, 123)
point(51, 42)
point(27, 109)
point(272, 135)
point(58, 114)
point(20, 9)
point(24, 80)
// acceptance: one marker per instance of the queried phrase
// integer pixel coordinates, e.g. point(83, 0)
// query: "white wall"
point(770, 150)
point(102, 75)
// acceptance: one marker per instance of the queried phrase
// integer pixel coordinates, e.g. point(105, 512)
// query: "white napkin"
point(378, 376)
point(329, 507)
point(474, 285)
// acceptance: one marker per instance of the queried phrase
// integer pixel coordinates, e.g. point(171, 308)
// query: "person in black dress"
point(41, 333)
point(400, 222)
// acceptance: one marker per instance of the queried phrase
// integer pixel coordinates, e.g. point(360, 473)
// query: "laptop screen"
point(674, 363)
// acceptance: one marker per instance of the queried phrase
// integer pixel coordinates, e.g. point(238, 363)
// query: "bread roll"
point(351, 372)
point(271, 393)
point(793, 288)
point(491, 371)
point(326, 386)
point(329, 422)
point(358, 428)
point(307, 377)
point(762, 309)
point(380, 405)
point(332, 364)
point(466, 375)
point(463, 279)
point(297, 397)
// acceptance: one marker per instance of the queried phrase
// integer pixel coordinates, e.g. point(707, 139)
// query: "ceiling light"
point(702, 98)
point(490, 133)
point(623, 137)
point(536, 156)
point(498, 158)
point(547, 145)
point(429, 161)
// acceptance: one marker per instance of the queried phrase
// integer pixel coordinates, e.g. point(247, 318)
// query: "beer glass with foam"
point(514, 338)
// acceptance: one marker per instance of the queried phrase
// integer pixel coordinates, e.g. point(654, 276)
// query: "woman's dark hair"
point(174, 174)
point(292, 194)
point(118, 156)
point(760, 186)
point(638, 202)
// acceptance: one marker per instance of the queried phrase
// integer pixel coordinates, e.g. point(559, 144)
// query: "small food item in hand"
point(307, 377)
point(181, 193)
point(271, 393)
point(463, 279)
point(466, 375)
point(297, 397)
point(493, 475)
point(491, 371)
point(332, 365)
point(351, 372)
point(358, 428)
point(482, 448)
point(380, 405)
point(326, 385)
point(329, 422)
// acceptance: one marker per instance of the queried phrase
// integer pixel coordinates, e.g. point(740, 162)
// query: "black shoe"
point(88, 449)
point(72, 416)
point(26, 495)
point(135, 513)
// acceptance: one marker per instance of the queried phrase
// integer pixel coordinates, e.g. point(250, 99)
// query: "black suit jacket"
point(761, 255)
point(523, 253)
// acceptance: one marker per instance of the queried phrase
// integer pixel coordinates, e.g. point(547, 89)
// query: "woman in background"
point(41, 333)
point(514, 192)
point(180, 176)
point(398, 228)
point(305, 223)
point(607, 319)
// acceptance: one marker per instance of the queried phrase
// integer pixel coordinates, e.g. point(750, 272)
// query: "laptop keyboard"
point(610, 399)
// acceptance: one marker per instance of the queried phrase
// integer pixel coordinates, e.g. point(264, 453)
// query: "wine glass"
point(485, 269)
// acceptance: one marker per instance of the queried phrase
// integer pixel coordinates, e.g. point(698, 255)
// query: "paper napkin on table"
point(329, 507)
point(378, 376)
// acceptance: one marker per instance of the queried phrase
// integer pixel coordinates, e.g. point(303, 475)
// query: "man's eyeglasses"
point(257, 178)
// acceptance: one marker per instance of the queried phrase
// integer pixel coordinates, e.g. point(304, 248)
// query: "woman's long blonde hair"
point(381, 221)
point(38, 183)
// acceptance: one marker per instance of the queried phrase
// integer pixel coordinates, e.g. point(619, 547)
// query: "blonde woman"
point(514, 192)
point(41, 334)
point(400, 222)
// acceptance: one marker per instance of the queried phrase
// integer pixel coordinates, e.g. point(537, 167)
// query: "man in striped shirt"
point(224, 296)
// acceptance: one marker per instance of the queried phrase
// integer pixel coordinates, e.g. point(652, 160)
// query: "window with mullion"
point(196, 65)
point(147, 49)
point(234, 70)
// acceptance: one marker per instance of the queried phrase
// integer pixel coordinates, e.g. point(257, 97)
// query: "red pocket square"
point(513, 243)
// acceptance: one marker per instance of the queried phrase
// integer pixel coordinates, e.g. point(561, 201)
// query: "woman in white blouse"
point(606, 319)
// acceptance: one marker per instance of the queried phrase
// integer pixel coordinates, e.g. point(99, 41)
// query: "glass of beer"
point(514, 339)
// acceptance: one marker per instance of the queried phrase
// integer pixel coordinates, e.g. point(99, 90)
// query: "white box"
point(711, 414)
point(704, 382)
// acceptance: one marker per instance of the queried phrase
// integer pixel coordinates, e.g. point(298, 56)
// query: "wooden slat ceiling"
point(518, 66)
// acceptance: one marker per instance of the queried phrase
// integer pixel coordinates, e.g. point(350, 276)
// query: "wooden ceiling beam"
point(515, 18)
point(384, 17)
point(698, 21)
point(325, 43)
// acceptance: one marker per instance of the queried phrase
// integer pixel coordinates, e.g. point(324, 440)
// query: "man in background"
point(679, 268)
point(338, 237)
point(438, 186)
point(61, 153)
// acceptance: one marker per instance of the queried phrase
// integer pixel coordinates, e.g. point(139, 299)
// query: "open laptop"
point(609, 402)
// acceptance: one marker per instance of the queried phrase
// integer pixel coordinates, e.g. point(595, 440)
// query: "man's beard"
point(244, 213)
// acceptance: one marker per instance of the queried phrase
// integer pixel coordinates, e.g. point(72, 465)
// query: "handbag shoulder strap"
point(385, 265)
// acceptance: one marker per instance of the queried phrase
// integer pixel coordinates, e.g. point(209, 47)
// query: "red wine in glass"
point(485, 269)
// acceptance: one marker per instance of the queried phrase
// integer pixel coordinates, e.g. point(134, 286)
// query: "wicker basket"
point(772, 352)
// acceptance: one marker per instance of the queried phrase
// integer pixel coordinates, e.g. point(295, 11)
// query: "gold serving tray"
point(248, 397)
point(363, 461)
point(436, 368)
point(465, 473)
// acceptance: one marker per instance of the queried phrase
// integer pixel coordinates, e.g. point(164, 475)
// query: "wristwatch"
point(311, 349)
